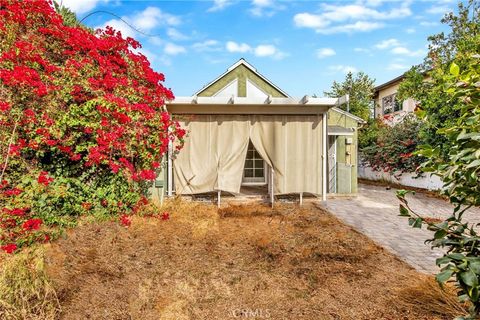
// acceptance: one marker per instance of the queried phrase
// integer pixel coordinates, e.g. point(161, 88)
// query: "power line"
point(121, 19)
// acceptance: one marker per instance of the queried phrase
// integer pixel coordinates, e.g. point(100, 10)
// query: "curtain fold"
point(292, 145)
point(213, 156)
point(214, 153)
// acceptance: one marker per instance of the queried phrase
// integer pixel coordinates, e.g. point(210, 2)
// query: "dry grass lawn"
point(240, 262)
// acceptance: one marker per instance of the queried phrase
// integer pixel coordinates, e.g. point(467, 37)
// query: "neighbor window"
point(391, 104)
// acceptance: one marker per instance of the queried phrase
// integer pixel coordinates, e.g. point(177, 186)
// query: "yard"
point(245, 261)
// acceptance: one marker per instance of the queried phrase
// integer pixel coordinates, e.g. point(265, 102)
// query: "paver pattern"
point(375, 213)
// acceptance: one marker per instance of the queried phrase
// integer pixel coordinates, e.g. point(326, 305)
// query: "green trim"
point(242, 73)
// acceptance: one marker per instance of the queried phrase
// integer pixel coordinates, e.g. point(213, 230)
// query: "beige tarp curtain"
point(214, 153)
point(292, 145)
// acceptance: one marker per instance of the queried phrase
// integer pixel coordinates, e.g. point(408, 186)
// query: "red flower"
point(9, 248)
point(32, 224)
point(13, 192)
point(44, 179)
point(165, 216)
point(148, 175)
point(125, 220)
point(4, 106)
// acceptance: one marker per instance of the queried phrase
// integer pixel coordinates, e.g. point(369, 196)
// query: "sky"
point(300, 46)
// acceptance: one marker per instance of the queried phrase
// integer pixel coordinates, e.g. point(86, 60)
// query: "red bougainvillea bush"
point(83, 124)
point(392, 148)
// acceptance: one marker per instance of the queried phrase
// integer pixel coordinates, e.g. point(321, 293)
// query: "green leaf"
point(442, 260)
point(469, 278)
point(474, 163)
point(443, 276)
point(404, 211)
point(440, 234)
point(454, 69)
point(418, 223)
point(456, 256)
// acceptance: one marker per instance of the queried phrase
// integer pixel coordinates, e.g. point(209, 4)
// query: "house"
point(387, 103)
point(244, 132)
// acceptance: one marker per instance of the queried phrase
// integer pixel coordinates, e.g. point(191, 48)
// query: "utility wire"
point(121, 19)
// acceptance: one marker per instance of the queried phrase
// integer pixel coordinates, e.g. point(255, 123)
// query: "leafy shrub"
point(83, 123)
point(461, 176)
point(391, 149)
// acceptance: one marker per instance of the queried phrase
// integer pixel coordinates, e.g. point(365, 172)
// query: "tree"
point(422, 82)
point(360, 89)
point(83, 123)
point(450, 102)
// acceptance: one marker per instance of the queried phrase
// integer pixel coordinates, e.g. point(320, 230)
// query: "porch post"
point(272, 197)
point(169, 169)
point(301, 198)
point(219, 193)
point(324, 157)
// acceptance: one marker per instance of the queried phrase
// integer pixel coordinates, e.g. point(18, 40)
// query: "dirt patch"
point(381, 183)
point(235, 263)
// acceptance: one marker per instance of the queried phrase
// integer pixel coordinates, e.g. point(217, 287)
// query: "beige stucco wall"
point(408, 105)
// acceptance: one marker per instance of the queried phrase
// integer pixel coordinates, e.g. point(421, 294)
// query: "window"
point(391, 104)
point(254, 171)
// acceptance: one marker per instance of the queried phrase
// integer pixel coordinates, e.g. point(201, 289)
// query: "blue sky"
point(301, 46)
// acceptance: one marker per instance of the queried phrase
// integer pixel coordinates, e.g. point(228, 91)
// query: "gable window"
point(391, 104)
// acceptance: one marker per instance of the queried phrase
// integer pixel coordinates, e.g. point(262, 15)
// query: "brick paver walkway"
point(375, 213)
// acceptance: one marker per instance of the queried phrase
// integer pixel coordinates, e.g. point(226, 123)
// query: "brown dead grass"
point(203, 263)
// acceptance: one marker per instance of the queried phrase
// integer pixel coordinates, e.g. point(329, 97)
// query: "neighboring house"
point(245, 131)
point(387, 105)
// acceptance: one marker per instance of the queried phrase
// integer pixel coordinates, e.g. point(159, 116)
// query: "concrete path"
point(375, 213)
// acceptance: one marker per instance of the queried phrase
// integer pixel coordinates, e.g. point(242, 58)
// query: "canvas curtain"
point(213, 155)
point(292, 145)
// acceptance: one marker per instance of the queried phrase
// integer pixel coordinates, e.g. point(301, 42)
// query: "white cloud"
point(406, 52)
point(428, 24)
point(325, 52)
point(308, 20)
point(151, 18)
point(267, 8)
point(82, 6)
point(121, 26)
point(174, 34)
point(397, 66)
point(237, 47)
point(219, 5)
point(438, 10)
point(350, 18)
point(359, 26)
point(389, 43)
point(145, 21)
point(265, 50)
point(363, 50)
point(207, 45)
point(262, 50)
point(173, 49)
point(342, 68)
point(410, 30)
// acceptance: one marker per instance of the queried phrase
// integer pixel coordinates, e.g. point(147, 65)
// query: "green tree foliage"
point(424, 82)
point(360, 88)
point(450, 102)
point(460, 171)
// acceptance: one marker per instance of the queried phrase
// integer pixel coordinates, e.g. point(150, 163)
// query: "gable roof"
point(238, 64)
point(388, 83)
point(348, 114)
